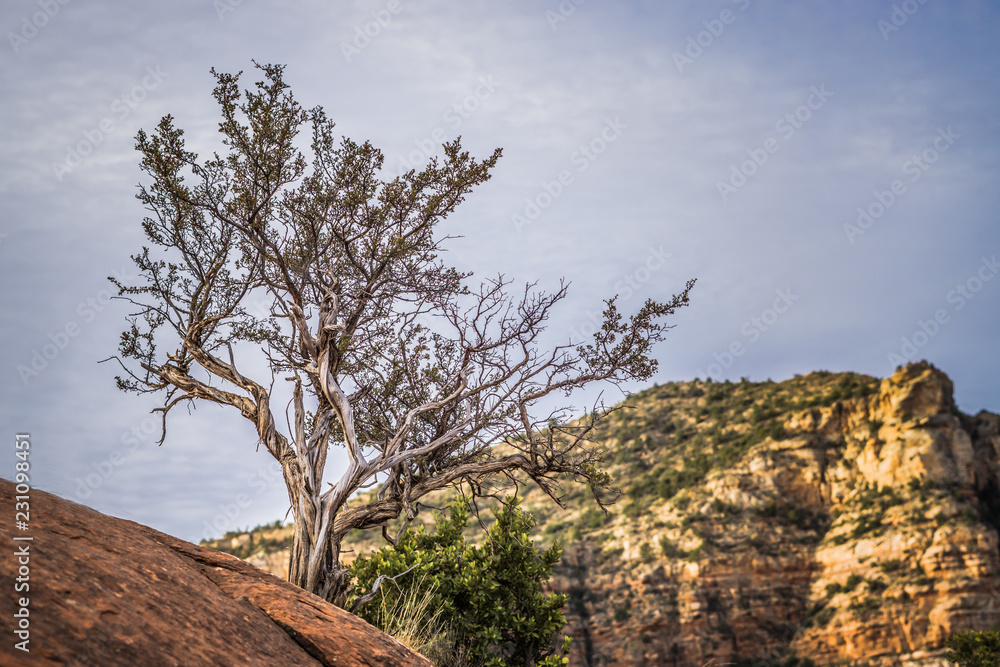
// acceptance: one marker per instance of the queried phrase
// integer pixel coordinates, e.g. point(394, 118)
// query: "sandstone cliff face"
point(833, 517)
point(862, 536)
point(107, 592)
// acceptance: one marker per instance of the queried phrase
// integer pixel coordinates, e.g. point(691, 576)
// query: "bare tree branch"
point(427, 380)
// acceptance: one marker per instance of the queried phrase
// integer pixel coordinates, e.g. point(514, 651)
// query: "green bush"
point(671, 481)
point(868, 523)
point(610, 554)
point(969, 516)
point(876, 586)
point(716, 394)
point(852, 582)
point(803, 518)
point(890, 565)
point(724, 508)
point(819, 614)
point(669, 549)
point(488, 599)
point(864, 609)
point(822, 617)
point(974, 649)
point(634, 509)
point(781, 658)
point(592, 519)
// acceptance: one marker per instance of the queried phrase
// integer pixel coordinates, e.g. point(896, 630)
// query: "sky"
point(827, 171)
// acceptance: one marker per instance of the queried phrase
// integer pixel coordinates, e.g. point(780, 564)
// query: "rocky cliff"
point(831, 517)
point(861, 529)
point(104, 591)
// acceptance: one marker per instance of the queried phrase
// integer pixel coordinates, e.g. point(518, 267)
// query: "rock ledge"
point(106, 591)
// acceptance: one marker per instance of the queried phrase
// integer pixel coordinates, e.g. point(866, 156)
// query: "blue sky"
point(645, 143)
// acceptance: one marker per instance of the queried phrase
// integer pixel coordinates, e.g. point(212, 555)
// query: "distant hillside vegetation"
point(765, 520)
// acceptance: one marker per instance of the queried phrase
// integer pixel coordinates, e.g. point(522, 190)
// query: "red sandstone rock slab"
point(106, 591)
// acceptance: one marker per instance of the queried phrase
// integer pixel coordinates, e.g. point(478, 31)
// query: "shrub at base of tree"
point(486, 606)
point(974, 649)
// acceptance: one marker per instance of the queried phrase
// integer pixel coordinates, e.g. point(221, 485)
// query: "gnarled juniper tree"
point(392, 354)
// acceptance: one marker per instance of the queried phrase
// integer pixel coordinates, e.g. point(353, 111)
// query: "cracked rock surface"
point(106, 591)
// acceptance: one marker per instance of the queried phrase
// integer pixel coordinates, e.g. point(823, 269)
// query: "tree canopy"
point(416, 371)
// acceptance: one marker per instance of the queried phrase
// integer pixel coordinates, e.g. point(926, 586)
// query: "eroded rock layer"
point(859, 532)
